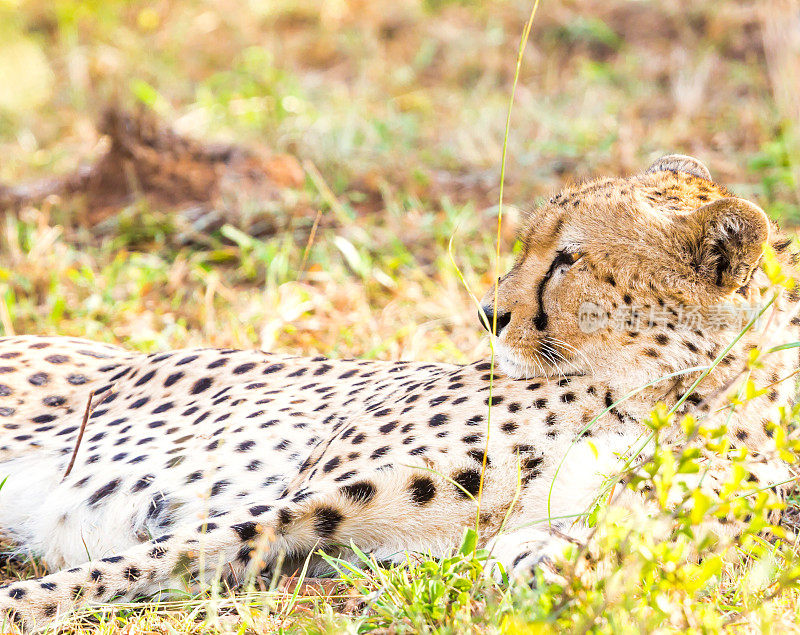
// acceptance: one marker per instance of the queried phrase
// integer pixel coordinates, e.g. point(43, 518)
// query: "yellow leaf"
point(700, 505)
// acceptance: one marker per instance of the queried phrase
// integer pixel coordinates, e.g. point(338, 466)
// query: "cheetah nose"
point(502, 318)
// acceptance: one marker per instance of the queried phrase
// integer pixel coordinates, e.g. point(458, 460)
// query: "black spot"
point(169, 381)
point(44, 419)
point(16, 593)
point(520, 558)
point(145, 378)
point(219, 486)
point(257, 510)
point(194, 476)
point(243, 368)
point(157, 552)
point(326, 521)
point(285, 517)
point(361, 492)
point(246, 531)
point(469, 480)
point(244, 446)
point(96, 575)
point(200, 385)
point(104, 491)
point(782, 245)
point(568, 397)
point(39, 379)
point(345, 476)
point(379, 452)
point(131, 574)
point(140, 402)
point(422, 490)
point(76, 379)
point(477, 455)
point(438, 420)
point(531, 465)
point(54, 400)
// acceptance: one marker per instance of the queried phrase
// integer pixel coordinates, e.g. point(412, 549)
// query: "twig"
point(309, 243)
point(86, 414)
point(5, 318)
point(234, 576)
point(330, 198)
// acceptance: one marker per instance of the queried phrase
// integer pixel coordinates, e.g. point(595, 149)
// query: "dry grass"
point(396, 111)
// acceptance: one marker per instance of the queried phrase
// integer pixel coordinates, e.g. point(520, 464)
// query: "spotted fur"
point(196, 464)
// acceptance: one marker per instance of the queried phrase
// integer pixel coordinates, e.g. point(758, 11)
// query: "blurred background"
point(289, 174)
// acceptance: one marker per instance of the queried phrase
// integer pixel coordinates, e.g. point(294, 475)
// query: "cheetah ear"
point(726, 242)
point(680, 163)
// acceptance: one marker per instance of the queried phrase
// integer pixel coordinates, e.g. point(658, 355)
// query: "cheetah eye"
point(564, 260)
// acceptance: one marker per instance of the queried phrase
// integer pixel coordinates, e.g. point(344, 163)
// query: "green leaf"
point(469, 542)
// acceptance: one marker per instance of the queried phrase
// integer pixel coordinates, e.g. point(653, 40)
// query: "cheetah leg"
point(186, 560)
point(524, 551)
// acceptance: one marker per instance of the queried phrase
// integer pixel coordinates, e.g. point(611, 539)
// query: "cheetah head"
point(631, 277)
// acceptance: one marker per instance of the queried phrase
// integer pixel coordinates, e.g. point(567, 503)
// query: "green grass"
point(397, 112)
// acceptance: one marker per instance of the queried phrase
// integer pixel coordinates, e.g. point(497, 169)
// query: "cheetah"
point(195, 464)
